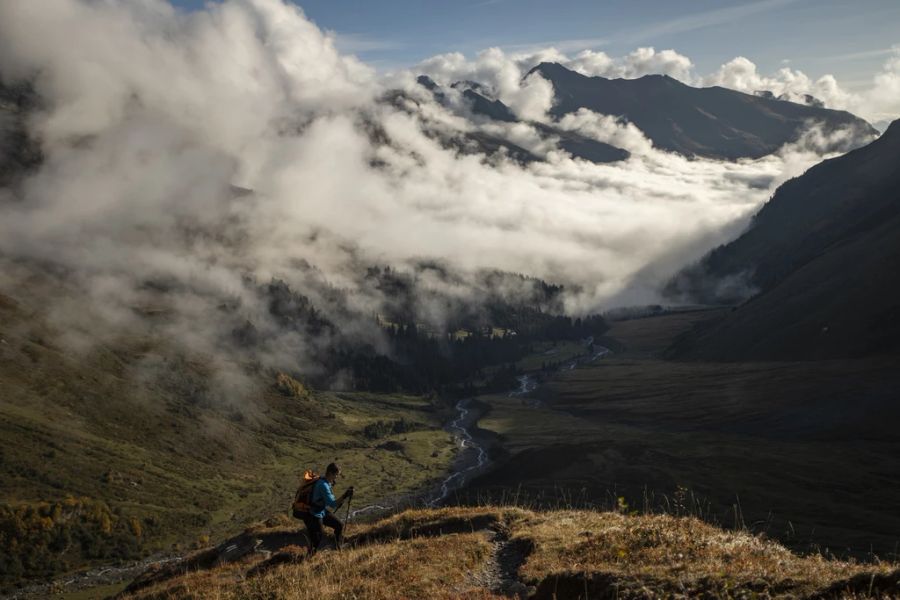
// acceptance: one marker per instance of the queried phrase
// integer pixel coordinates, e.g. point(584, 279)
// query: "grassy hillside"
point(490, 552)
point(804, 451)
point(101, 462)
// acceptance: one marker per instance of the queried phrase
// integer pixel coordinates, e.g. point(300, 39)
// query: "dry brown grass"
point(562, 554)
point(671, 556)
point(416, 568)
point(440, 521)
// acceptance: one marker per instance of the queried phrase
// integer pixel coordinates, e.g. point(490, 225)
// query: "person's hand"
point(349, 492)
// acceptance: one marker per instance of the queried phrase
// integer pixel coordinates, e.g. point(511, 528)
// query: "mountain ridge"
point(712, 122)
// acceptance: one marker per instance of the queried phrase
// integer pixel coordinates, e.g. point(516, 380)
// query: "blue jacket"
point(322, 497)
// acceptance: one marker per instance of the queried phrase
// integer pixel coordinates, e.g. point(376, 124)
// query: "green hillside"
point(95, 468)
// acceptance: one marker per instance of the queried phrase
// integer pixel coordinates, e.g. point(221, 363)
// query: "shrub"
point(41, 539)
point(380, 429)
point(290, 387)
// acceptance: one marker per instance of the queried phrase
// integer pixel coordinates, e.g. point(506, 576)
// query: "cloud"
point(880, 101)
point(191, 158)
point(608, 129)
point(529, 97)
point(640, 62)
point(741, 74)
point(644, 61)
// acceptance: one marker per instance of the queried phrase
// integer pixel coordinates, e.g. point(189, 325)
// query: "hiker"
point(313, 500)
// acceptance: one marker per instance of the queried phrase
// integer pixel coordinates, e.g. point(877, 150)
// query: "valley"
point(801, 451)
point(573, 324)
point(127, 446)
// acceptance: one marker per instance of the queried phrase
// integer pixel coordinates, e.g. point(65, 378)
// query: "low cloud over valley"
point(204, 154)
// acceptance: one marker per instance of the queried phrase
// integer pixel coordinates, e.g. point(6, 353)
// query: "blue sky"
point(849, 39)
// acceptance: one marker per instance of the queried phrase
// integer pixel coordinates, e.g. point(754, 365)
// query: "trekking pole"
point(347, 524)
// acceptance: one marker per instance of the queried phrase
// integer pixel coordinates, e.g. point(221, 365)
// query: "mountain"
point(807, 99)
point(479, 142)
point(576, 144)
point(710, 122)
point(493, 109)
point(823, 254)
point(581, 146)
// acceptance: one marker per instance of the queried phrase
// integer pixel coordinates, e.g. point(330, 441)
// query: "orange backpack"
point(303, 498)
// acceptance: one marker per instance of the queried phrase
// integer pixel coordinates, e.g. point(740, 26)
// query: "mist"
point(189, 158)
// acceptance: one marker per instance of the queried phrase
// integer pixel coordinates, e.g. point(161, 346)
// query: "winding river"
point(465, 441)
point(473, 457)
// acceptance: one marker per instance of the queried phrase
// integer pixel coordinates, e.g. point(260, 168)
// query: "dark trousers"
point(315, 528)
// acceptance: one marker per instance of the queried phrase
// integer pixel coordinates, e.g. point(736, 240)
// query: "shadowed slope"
point(823, 253)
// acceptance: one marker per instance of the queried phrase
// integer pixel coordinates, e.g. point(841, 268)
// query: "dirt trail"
point(501, 573)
